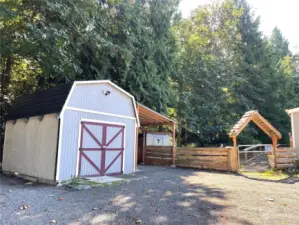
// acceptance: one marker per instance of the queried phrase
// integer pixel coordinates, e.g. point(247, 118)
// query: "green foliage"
point(224, 68)
point(205, 71)
point(48, 42)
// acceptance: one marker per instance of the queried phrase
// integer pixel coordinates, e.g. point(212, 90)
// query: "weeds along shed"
point(85, 128)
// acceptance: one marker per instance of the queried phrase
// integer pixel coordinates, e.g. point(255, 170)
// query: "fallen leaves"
point(60, 199)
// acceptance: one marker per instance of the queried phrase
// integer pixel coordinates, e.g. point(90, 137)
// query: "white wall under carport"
point(295, 130)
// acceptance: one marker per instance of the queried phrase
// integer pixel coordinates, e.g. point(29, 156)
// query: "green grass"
point(77, 181)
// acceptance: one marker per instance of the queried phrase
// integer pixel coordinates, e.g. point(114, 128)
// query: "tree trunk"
point(5, 80)
point(5, 77)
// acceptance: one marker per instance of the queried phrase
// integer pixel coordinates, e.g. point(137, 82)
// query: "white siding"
point(30, 148)
point(295, 130)
point(70, 134)
point(92, 97)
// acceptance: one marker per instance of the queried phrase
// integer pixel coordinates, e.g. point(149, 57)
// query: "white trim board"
point(101, 121)
point(59, 149)
point(290, 111)
point(78, 147)
point(294, 136)
point(99, 113)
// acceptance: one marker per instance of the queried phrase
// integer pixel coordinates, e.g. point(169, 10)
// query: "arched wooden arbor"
point(262, 123)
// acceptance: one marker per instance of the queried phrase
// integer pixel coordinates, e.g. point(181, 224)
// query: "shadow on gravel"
point(164, 196)
point(157, 195)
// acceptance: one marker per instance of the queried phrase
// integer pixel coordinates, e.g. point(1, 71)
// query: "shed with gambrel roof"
point(83, 128)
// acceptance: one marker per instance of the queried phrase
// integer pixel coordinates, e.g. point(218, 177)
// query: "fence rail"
point(204, 158)
point(285, 158)
point(210, 158)
point(158, 155)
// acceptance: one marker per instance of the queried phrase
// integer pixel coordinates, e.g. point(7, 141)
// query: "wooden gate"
point(101, 149)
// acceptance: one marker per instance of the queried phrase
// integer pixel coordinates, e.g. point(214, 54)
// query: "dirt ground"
point(156, 195)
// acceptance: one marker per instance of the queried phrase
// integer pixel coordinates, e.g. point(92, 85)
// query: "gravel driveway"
point(156, 195)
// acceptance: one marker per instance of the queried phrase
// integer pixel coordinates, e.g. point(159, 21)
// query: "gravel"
point(156, 195)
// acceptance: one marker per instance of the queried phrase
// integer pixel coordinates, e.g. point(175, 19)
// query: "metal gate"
point(101, 149)
point(254, 157)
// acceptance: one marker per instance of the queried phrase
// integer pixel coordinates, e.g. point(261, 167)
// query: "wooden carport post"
point(137, 141)
point(143, 144)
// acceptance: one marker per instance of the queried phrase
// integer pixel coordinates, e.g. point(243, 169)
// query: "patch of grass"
point(118, 182)
point(77, 181)
point(267, 175)
point(104, 185)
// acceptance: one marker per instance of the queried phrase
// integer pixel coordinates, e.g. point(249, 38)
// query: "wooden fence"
point(210, 158)
point(285, 158)
point(204, 158)
point(158, 155)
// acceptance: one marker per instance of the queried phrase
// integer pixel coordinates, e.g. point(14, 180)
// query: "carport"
point(159, 155)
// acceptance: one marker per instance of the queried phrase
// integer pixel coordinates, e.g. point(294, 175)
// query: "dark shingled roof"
point(40, 103)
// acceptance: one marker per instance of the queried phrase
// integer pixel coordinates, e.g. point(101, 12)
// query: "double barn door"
point(101, 149)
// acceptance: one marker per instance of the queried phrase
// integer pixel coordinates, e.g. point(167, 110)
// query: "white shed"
point(294, 114)
point(84, 128)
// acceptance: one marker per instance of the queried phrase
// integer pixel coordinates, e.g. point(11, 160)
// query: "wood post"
point(143, 145)
point(274, 143)
point(137, 136)
point(173, 145)
point(291, 140)
point(234, 161)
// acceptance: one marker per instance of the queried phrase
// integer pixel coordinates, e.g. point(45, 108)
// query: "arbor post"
point(234, 156)
point(274, 144)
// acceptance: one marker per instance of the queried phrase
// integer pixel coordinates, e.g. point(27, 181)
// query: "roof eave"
point(291, 111)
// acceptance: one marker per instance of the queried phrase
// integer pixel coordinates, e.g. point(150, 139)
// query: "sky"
point(283, 14)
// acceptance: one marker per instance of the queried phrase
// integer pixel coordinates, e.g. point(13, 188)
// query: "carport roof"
point(148, 116)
